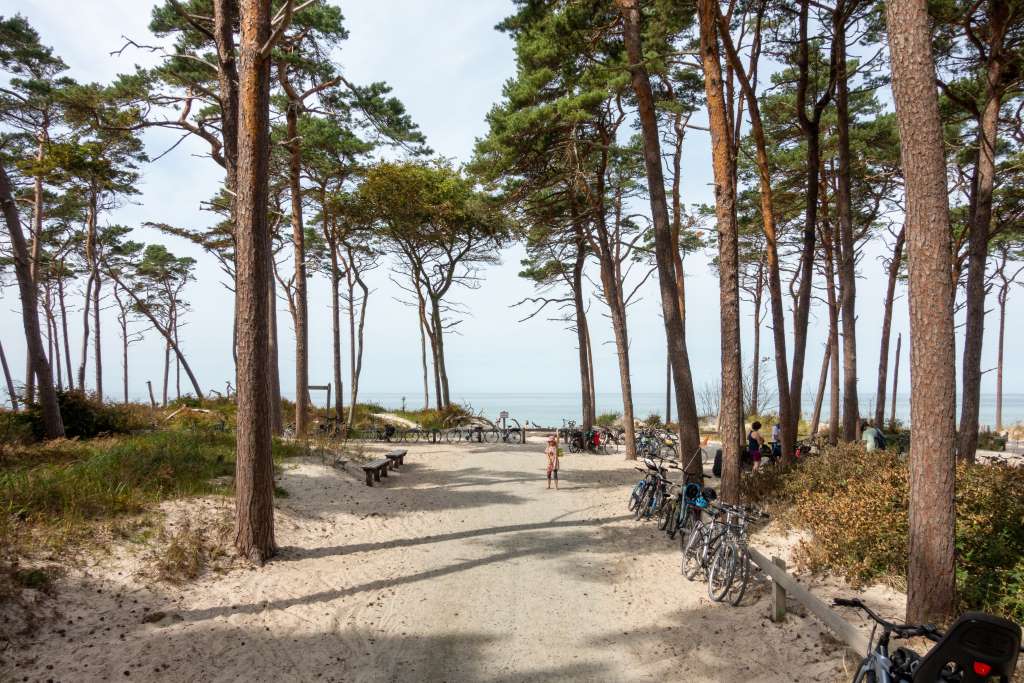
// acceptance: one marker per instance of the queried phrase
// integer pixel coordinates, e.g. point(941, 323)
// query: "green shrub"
point(855, 506)
point(85, 416)
point(16, 429)
point(608, 419)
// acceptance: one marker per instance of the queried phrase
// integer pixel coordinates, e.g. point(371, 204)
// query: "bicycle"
point(976, 647)
point(639, 497)
point(731, 562)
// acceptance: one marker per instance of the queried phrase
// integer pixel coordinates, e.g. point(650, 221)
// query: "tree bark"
point(53, 425)
point(895, 380)
point(931, 580)
point(883, 353)
point(440, 366)
point(274, 369)
point(755, 363)
point(820, 396)
point(847, 261)
point(96, 347)
point(254, 468)
point(1003, 293)
point(332, 245)
point(731, 406)
point(787, 421)
point(686, 406)
point(811, 128)
point(64, 328)
point(10, 380)
point(977, 261)
point(299, 243)
point(589, 413)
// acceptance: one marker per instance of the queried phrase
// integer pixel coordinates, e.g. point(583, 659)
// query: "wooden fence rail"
point(783, 585)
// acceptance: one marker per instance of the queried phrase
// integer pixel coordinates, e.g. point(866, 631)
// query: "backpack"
point(716, 469)
point(879, 440)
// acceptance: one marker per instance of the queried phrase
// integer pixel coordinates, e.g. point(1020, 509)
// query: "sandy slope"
point(461, 567)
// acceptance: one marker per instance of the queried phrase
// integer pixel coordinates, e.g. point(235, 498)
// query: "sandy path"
point(461, 567)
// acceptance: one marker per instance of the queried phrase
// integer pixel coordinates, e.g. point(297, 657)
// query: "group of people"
point(871, 436)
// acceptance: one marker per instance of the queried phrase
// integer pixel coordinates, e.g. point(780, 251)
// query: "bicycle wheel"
point(645, 501)
point(687, 519)
point(637, 493)
point(742, 578)
point(414, 435)
point(453, 435)
point(491, 436)
point(865, 673)
point(692, 553)
point(722, 571)
point(657, 502)
point(666, 516)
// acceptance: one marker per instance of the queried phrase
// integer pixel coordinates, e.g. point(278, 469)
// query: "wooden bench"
point(375, 470)
point(396, 458)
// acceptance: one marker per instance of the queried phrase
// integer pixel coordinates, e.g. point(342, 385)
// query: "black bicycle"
point(977, 647)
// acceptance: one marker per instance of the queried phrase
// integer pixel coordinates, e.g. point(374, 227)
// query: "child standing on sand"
point(552, 454)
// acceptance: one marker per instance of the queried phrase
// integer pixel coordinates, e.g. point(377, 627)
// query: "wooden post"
point(778, 593)
point(152, 401)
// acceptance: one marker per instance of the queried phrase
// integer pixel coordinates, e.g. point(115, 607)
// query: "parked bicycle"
point(977, 647)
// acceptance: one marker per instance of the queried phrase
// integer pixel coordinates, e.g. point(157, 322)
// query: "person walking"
point(552, 455)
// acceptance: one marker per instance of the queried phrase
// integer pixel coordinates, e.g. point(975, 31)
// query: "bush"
point(608, 419)
point(855, 506)
point(16, 429)
point(85, 417)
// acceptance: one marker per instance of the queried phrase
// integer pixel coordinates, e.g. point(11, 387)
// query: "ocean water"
point(550, 409)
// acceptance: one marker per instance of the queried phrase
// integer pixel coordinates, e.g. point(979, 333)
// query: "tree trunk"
point(786, 419)
point(299, 242)
point(820, 396)
point(1003, 293)
point(755, 363)
point(10, 380)
point(847, 260)
point(90, 257)
point(274, 369)
point(668, 390)
point(730, 410)
point(423, 360)
point(811, 128)
point(254, 466)
point(64, 329)
point(582, 332)
point(442, 370)
point(53, 425)
point(124, 358)
point(686, 407)
point(96, 347)
point(883, 353)
point(974, 325)
point(931, 580)
point(336, 329)
point(167, 371)
point(357, 366)
point(612, 285)
point(895, 380)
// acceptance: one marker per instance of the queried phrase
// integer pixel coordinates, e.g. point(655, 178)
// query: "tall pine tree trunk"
point(895, 380)
point(64, 329)
point(273, 369)
point(931, 579)
point(96, 347)
point(299, 243)
point(883, 353)
point(332, 245)
point(9, 380)
point(686, 406)
point(977, 260)
point(254, 468)
point(819, 397)
point(53, 425)
point(730, 412)
point(787, 421)
point(583, 337)
point(847, 257)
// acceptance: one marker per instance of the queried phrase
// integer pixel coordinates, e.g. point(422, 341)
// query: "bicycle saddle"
point(980, 645)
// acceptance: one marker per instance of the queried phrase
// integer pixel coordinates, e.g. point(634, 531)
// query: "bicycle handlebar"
point(902, 630)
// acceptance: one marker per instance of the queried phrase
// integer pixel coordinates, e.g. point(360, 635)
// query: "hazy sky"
point(447, 64)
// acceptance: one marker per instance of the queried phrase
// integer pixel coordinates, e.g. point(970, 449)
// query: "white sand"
point(460, 567)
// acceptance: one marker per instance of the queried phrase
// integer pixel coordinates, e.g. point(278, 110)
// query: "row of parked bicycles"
point(713, 538)
point(510, 432)
point(712, 534)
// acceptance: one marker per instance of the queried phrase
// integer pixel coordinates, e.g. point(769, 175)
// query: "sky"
point(446, 62)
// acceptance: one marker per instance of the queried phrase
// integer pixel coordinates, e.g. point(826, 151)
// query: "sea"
point(552, 409)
